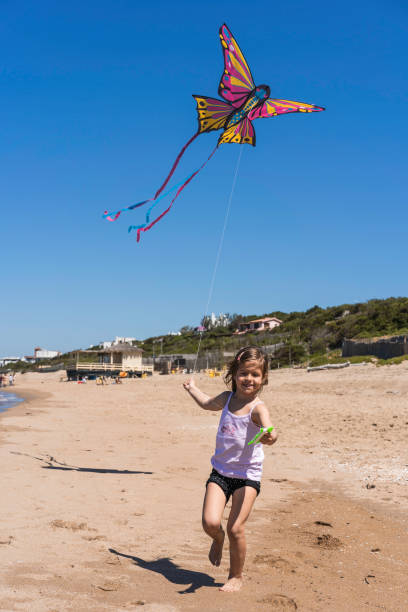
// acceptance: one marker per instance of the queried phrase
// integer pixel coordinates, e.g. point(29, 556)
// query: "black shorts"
point(229, 485)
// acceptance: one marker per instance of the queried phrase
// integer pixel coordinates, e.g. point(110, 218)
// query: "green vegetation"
point(314, 336)
point(392, 361)
point(18, 366)
point(323, 359)
point(305, 335)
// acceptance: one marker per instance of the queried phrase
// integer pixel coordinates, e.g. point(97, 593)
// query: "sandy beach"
point(102, 490)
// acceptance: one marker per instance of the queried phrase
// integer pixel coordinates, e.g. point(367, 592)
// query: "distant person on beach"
point(237, 467)
point(11, 379)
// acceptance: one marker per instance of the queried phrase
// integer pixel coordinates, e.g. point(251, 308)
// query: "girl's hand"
point(269, 438)
point(189, 385)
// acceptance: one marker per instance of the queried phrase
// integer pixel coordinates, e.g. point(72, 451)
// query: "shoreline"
point(14, 399)
point(26, 396)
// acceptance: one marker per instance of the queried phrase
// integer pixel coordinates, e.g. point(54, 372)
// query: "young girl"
point(237, 467)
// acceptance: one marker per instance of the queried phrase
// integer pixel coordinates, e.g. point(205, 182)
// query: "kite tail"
point(179, 156)
point(113, 216)
point(145, 227)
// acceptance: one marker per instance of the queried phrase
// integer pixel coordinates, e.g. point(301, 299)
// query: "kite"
point(243, 101)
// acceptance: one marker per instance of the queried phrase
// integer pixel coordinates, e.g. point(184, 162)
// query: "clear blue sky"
point(95, 104)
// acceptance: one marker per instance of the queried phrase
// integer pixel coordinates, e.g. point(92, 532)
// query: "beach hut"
point(109, 361)
point(124, 356)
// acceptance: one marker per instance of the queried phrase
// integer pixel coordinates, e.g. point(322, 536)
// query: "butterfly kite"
point(242, 102)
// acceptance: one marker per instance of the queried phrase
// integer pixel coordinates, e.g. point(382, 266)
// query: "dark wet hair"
point(248, 353)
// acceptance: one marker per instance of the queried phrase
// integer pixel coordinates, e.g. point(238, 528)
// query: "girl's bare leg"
point(242, 501)
point(213, 507)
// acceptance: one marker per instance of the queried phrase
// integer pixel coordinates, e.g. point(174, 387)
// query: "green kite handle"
point(260, 434)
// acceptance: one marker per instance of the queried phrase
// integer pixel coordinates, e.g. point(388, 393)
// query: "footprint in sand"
point(272, 561)
point(171, 470)
point(327, 541)
point(108, 585)
point(156, 607)
point(58, 524)
point(279, 603)
point(73, 526)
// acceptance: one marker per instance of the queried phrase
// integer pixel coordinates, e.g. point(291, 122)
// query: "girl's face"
point(249, 378)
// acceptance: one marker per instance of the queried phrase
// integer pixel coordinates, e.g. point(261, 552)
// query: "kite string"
point(217, 259)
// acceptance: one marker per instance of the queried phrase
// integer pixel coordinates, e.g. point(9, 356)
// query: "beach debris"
point(367, 577)
point(323, 523)
point(370, 485)
point(329, 366)
point(7, 540)
point(375, 549)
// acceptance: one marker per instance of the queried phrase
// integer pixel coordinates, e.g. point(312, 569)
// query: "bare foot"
point(232, 585)
point(215, 553)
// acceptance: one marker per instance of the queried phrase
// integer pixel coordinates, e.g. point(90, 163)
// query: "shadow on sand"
point(173, 573)
point(53, 464)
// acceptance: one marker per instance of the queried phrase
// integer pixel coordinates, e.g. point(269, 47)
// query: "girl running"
point(237, 467)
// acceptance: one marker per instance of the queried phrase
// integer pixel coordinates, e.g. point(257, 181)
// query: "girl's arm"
point(204, 400)
point(261, 417)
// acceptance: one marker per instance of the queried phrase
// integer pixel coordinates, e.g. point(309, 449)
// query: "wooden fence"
point(383, 348)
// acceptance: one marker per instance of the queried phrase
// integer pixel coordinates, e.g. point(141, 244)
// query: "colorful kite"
point(243, 102)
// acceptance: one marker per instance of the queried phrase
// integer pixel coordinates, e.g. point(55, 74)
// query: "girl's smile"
point(249, 378)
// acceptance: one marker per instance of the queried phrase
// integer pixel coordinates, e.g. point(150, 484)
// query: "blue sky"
point(95, 104)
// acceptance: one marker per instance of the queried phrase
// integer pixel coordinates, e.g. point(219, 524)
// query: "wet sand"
point(102, 491)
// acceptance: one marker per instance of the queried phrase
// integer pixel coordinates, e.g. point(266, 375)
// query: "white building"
point(40, 353)
point(221, 321)
point(118, 340)
point(7, 360)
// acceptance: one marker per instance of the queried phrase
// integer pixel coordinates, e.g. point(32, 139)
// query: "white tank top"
point(233, 457)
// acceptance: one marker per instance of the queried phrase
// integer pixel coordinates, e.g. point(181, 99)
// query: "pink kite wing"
point(236, 82)
point(240, 133)
point(272, 107)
